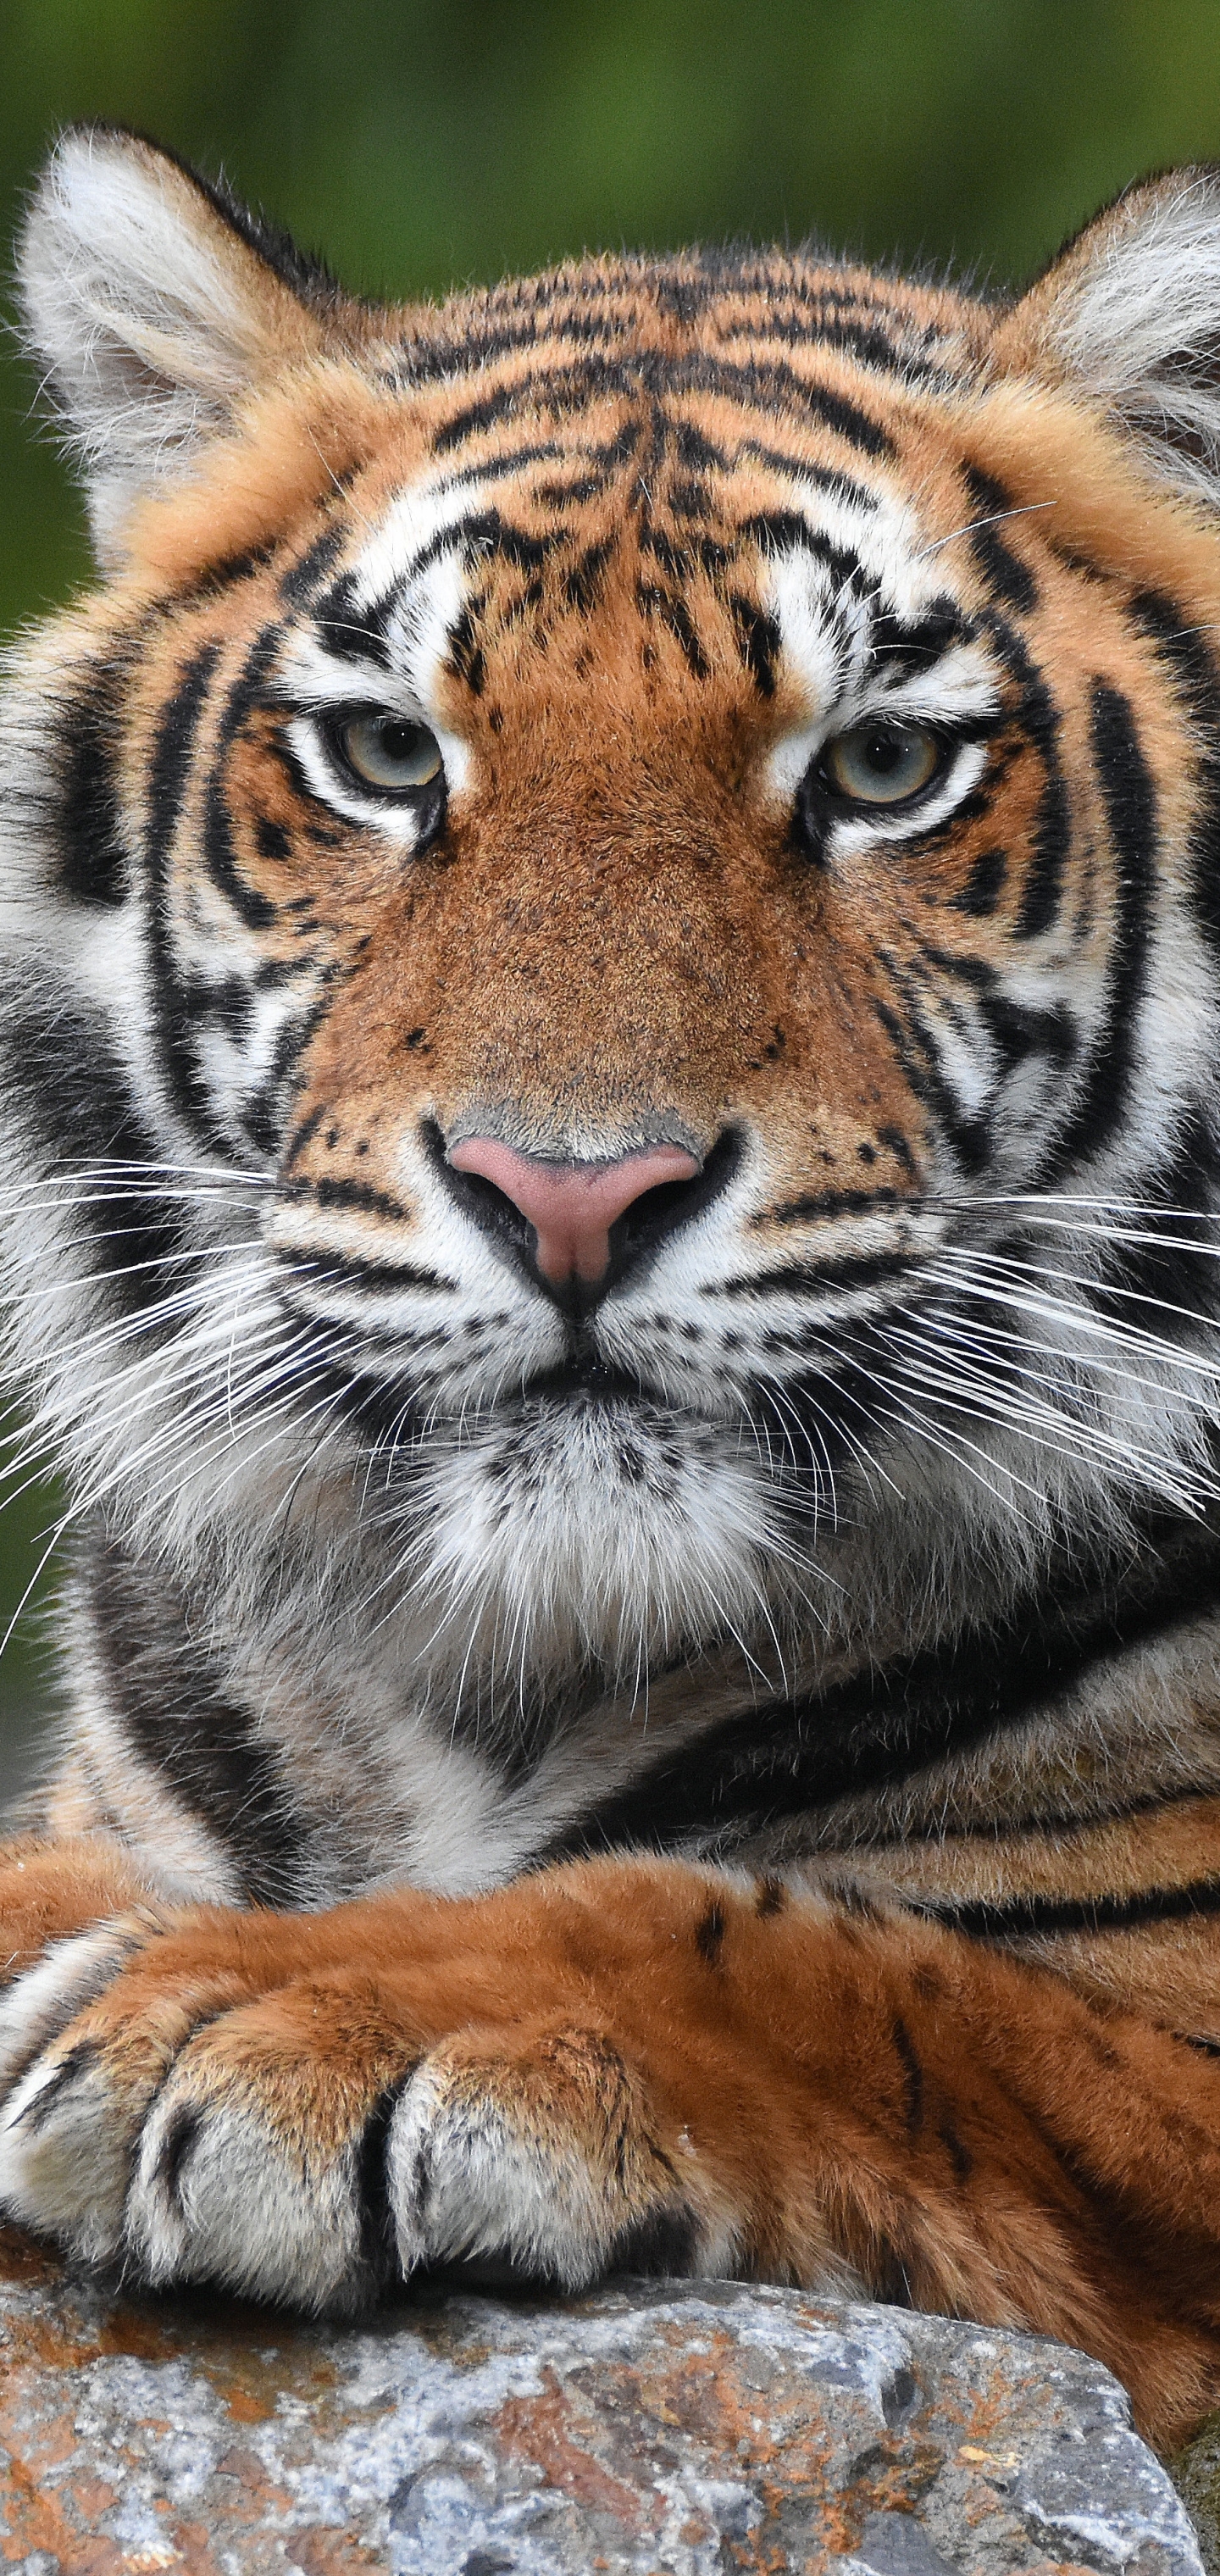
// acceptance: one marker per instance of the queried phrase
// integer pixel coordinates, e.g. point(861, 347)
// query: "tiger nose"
point(571, 1206)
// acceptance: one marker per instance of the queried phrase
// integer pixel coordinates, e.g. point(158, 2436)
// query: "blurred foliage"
point(418, 143)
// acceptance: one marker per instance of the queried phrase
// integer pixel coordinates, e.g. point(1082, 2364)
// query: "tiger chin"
point(610, 945)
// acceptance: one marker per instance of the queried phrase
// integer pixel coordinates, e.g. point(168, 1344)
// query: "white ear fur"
point(1132, 310)
point(152, 311)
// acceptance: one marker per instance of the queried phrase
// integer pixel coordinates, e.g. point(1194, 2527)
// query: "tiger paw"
point(307, 2141)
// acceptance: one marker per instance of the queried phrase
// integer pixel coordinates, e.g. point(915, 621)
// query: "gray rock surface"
point(1196, 2475)
point(652, 2429)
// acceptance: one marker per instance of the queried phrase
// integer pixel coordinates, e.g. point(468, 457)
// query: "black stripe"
point(671, 608)
point(494, 469)
point(345, 1193)
point(1173, 1265)
point(826, 478)
point(912, 2075)
point(303, 1135)
point(1030, 1917)
point(59, 1063)
point(967, 1133)
point(1038, 718)
point(354, 630)
point(907, 645)
point(827, 1203)
point(1016, 1030)
point(172, 748)
point(486, 532)
point(773, 530)
point(681, 558)
point(867, 342)
point(758, 641)
point(1006, 576)
point(882, 1727)
point(1186, 652)
point(812, 1278)
point(251, 906)
point(582, 584)
point(984, 885)
point(466, 657)
point(1130, 803)
point(346, 1269)
point(184, 1727)
point(299, 583)
point(92, 856)
point(169, 769)
point(223, 574)
point(264, 1109)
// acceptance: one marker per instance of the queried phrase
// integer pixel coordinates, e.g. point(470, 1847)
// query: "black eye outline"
point(426, 802)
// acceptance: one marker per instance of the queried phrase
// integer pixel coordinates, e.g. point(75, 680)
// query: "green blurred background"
point(419, 143)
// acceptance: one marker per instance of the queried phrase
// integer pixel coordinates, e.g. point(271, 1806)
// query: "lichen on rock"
point(650, 2429)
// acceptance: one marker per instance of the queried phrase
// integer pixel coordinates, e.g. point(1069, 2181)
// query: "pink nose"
point(572, 1206)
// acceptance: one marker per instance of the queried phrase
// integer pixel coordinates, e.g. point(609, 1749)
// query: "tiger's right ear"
point(155, 303)
point(1130, 311)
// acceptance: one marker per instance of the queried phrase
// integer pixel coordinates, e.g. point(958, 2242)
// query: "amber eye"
point(880, 763)
point(389, 752)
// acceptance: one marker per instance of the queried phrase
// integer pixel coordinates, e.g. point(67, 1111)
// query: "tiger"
point(609, 1036)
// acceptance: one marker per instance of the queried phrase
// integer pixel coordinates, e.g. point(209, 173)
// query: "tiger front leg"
point(624, 2065)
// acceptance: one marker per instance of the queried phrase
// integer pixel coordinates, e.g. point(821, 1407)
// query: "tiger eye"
point(390, 752)
point(880, 763)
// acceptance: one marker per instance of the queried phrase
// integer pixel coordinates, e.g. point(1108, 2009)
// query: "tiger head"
point(614, 905)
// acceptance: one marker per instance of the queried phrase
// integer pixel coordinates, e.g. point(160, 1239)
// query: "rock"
point(1196, 2475)
point(666, 2429)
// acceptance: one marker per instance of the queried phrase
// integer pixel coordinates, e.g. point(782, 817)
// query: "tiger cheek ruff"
point(611, 1002)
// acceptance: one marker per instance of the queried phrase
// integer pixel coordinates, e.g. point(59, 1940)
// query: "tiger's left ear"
point(1131, 311)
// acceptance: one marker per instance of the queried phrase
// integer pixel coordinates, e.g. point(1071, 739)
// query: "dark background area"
point(423, 143)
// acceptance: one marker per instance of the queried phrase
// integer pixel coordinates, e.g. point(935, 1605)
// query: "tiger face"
point(646, 837)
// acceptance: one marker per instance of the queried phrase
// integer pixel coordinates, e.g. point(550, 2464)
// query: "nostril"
point(659, 1212)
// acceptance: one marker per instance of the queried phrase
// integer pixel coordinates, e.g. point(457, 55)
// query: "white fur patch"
point(1139, 321)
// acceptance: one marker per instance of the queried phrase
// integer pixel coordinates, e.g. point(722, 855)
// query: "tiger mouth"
point(589, 1379)
point(581, 1384)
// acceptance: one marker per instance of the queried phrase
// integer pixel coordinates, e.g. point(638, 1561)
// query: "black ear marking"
point(302, 272)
